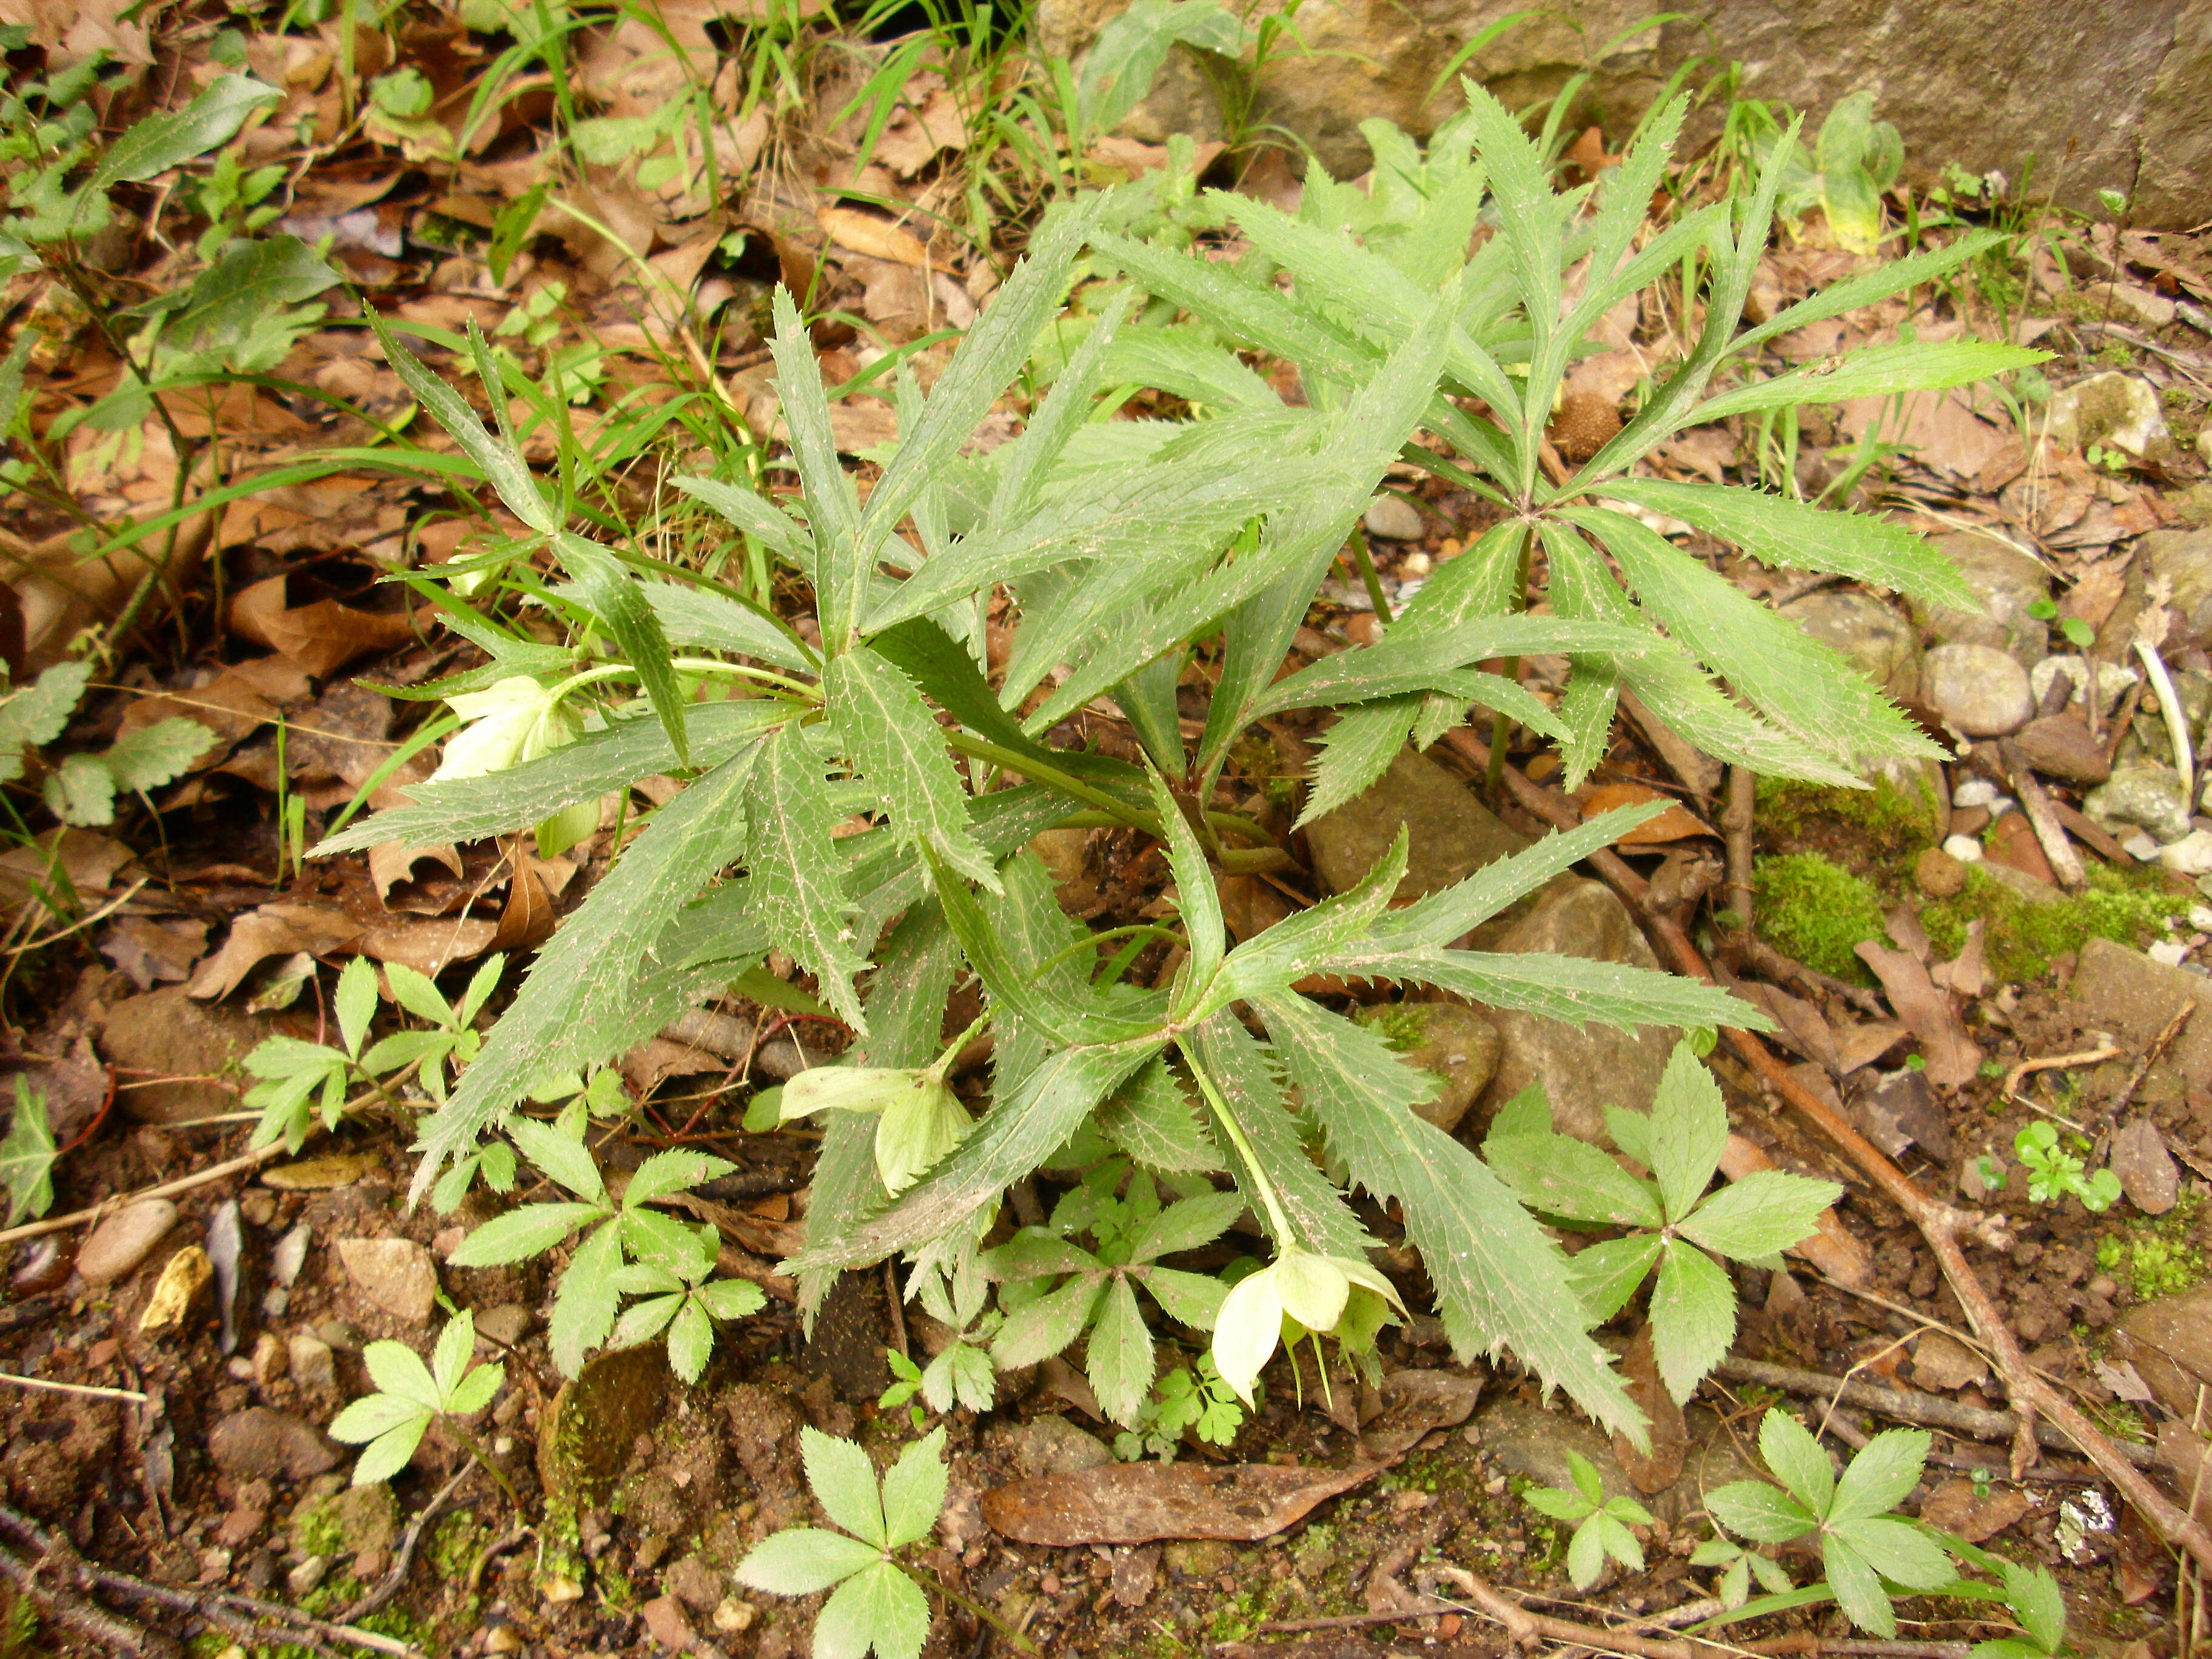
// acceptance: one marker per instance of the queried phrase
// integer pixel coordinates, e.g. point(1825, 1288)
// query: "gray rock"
point(2183, 558)
point(1878, 641)
point(2007, 582)
point(2169, 1342)
point(2125, 992)
point(2114, 410)
point(2112, 680)
point(258, 1444)
point(1395, 519)
point(1050, 1444)
point(509, 1323)
point(396, 1274)
point(2032, 890)
point(1943, 1363)
point(1452, 834)
point(166, 1034)
point(120, 1243)
point(2121, 91)
point(2141, 795)
point(2061, 747)
point(1980, 689)
point(1451, 1041)
point(311, 1362)
point(1582, 1071)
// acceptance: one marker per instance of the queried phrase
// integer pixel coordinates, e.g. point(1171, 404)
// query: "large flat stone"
point(2169, 1342)
point(2133, 997)
point(1451, 834)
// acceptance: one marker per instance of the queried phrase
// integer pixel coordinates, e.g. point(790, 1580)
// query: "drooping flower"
point(513, 721)
point(921, 1119)
point(1312, 1290)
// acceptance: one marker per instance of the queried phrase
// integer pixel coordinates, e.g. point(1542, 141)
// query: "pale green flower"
point(1311, 1289)
point(921, 1119)
point(517, 719)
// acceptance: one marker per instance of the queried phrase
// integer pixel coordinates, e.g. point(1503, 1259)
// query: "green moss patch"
point(1816, 911)
point(2156, 1256)
point(2021, 938)
point(1889, 824)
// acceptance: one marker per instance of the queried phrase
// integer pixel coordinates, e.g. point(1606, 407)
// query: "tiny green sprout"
point(1990, 1172)
point(1604, 1521)
point(2114, 202)
point(2053, 1172)
point(906, 1383)
point(1915, 1062)
point(1742, 1565)
point(2078, 633)
point(392, 1421)
point(677, 1298)
point(2044, 610)
point(1991, 1070)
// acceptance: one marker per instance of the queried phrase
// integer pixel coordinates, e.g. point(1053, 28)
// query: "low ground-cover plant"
point(1128, 546)
point(1602, 1523)
point(2056, 1172)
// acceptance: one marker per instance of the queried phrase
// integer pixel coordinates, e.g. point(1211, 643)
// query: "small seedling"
point(1742, 1565)
point(2053, 1172)
point(2078, 633)
point(1990, 1171)
point(1680, 1142)
point(1604, 1521)
point(1862, 1543)
point(392, 1421)
point(875, 1602)
point(1182, 1402)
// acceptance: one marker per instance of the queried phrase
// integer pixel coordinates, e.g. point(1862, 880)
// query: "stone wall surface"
point(2078, 95)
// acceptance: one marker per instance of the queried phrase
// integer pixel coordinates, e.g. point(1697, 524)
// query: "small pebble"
point(1415, 564)
point(502, 1638)
point(2141, 847)
point(308, 1574)
point(1394, 519)
point(2170, 951)
point(2200, 916)
point(733, 1615)
point(1974, 792)
point(1964, 848)
point(125, 1240)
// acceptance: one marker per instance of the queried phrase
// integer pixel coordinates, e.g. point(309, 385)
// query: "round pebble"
point(1964, 848)
point(120, 1243)
point(1979, 689)
point(1974, 792)
point(1394, 520)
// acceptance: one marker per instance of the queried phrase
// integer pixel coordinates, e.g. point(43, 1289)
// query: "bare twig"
point(1762, 959)
point(1939, 1223)
point(1736, 820)
point(2151, 1056)
point(2049, 833)
point(389, 1585)
point(73, 1613)
point(1906, 1405)
point(86, 1388)
point(2055, 1063)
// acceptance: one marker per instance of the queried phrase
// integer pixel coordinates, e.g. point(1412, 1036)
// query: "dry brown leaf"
point(871, 234)
point(430, 946)
point(1661, 1466)
point(320, 638)
point(1673, 825)
point(1804, 1026)
point(392, 862)
point(527, 921)
point(152, 951)
point(1941, 427)
point(1136, 1502)
point(278, 929)
point(1952, 1057)
point(2146, 1171)
point(1862, 1041)
point(1965, 974)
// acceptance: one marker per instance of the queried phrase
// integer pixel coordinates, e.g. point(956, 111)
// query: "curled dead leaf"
point(321, 637)
point(1673, 825)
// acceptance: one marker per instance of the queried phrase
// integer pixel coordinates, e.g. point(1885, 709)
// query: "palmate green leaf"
point(844, 1483)
point(1797, 1461)
point(1153, 1118)
point(1193, 1298)
point(27, 1156)
point(1561, 1176)
point(162, 141)
point(1874, 371)
point(81, 791)
point(584, 1305)
point(879, 1608)
point(1879, 1475)
point(1765, 1211)
point(1791, 678)
point(1189, 1225)
point(1500, 1281)
point(1021, 1130)
point(375, 1415)
point(631, 747)
point(914, 1490)
point(522, 1233)
point(1785, 534)
point(1250, 313)
point(153, 755)
point(1607, 1274)
point(1180, 361)
point(799, 876)
point(1411, 662)
point(1763, 1513)
point(897, 745)
point(804, 1561)
point(32, 716)
point(1572, 989)
point(572, 1012)
point(1037, 1330)
point(500, 463)
point(1689, 1131)
point(1119, 1359)
point(1693, 1317)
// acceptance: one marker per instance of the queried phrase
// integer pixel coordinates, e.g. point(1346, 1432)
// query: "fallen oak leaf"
point(1953, 1058)
point(320, 638)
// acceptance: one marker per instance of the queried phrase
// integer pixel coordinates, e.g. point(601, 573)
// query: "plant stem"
point(475, 1449)
point(1269, 1197)
point(1029, 766)
point(1501, 728)
point(1363, 561)
point(1020, 1641)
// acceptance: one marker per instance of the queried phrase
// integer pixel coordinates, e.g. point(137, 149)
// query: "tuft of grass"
point(1816, 910)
